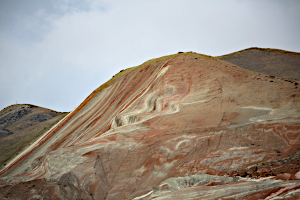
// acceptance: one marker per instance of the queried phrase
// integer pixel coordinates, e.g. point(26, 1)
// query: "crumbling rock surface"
point(181, 126)
point(205, 186)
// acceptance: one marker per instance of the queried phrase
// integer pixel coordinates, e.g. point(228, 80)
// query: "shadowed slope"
point(20, 125)
point(176, 116)
point(274, 62)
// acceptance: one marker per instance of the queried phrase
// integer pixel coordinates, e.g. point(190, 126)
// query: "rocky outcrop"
point(179, 126)
point(205, 186)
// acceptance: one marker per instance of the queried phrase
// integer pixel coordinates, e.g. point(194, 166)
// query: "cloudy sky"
point(54, 53)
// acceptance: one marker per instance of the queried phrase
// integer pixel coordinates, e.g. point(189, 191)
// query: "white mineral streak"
point(289, 194)
point(269, 178)
point(143, 196)
point(257, 108)
point(277, 194)
point(237, 148)
point(142, 109)
point(181, 143)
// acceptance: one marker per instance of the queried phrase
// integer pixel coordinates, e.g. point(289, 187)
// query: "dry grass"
point(154, 61)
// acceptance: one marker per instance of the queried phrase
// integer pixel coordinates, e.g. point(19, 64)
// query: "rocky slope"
point(185, 126)
point(20, 124)
point(274, 62)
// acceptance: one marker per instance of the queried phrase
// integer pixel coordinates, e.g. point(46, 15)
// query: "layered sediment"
point(184, 126)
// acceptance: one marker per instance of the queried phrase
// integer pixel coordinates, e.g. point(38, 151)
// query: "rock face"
point(274, 62)
point(181, 126)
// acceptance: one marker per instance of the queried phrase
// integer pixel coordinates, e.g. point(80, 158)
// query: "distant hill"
point(21, 124)
point(274, 62)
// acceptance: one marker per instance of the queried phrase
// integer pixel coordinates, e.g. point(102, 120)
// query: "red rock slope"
point(181, 126)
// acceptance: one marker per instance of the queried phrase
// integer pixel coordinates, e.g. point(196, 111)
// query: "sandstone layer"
point(185, 126)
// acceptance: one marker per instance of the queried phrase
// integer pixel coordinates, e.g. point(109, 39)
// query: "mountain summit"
point(184, 126)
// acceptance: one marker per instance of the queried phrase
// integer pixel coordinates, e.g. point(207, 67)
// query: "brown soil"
point(274, 62)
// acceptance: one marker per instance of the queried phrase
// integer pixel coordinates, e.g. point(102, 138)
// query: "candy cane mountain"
point(184, 126)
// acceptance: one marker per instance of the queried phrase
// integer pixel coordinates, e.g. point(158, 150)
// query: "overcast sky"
point(54, 53)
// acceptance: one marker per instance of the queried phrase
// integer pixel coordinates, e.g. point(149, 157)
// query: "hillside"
point(274, 62)
point(21, 124)
point(184, 126)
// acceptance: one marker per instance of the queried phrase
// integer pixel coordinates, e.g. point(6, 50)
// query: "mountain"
point(184, 126)
point(21, 124)
point(274, 62)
